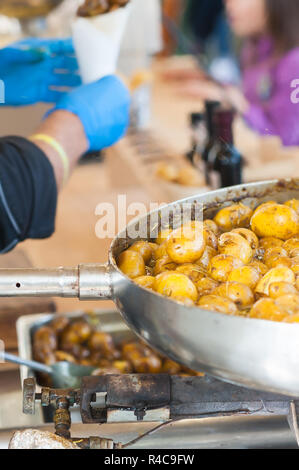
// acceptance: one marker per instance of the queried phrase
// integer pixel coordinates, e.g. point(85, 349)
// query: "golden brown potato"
point(174, 284)
point(62, 356)
point(275, 220)
point(279, 274)
point(247, 275)
point(164, 264)
point(187, 243)
point(210, 237)
point(276, 256)
point(45, 337)
point(170, 367)
point(124, 367)
point(145, 281)
point(235, 245)
point(144, 249)
point(44, 355)
point(80, 352)
point(221, 266)
point(59, 323)
point(295, 265)
point(103, 343)
point(238, 293)
point(267, 309)
point(206, 286)
point(163, 235)
point(75, 334)
point(143, 359)
point(294, 204)
point(154, 247)
point(279, 289)
point(270, 242)
point(161, 251)
point(219, 304)
point(276, 251)
point(291, 245)
point(266, 204)
point(133, 346)
point(131, 263)
point(289, 303)
point(235, 216)
point(205, 260)
point(167, 172)
point(189, 176)
point(211, 225)
point(294, 253)
point(259, 266)
point(147, 365)
point(249, 236)
point(193, 271)
point(292, 318)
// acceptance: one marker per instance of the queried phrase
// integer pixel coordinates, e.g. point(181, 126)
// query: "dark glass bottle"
point(228, 161)
point(208, 151)
point(197, 126)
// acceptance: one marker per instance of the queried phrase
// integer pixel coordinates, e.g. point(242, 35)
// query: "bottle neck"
point(224, 127)
point(211, 107)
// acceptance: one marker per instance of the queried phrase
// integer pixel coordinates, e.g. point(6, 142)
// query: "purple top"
point(267, 84)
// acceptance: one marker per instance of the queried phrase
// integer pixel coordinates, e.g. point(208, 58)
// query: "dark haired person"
point(270, 67)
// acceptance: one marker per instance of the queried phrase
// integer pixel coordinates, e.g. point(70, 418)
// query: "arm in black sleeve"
point(28, 193)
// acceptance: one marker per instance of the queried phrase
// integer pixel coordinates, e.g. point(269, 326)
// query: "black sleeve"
point(28, 193)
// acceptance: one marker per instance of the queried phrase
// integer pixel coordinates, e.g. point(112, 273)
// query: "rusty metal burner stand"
point(155, 398)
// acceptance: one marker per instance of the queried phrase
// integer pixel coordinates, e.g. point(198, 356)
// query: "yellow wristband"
point(59, 149)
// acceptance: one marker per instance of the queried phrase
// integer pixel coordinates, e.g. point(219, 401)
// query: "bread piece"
point(36, 439)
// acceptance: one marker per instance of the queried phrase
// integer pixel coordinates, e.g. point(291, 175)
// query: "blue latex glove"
point(102, 107)
point(31, 68)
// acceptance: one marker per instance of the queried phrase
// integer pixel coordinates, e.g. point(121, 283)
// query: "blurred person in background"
point(269, 64)
point(211, 32)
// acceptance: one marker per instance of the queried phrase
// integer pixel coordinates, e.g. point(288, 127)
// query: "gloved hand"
point(30, 68)
point(103, 109)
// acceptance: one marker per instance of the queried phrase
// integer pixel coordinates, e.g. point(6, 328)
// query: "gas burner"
point(159, 399)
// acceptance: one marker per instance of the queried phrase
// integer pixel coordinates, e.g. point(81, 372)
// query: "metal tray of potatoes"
point(110, 321)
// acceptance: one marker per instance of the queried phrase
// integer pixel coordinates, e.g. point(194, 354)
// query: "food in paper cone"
point(97, 35)
point(98, 7)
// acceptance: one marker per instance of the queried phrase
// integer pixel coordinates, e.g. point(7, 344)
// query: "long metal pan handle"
point(86, 281)
point(31, 364)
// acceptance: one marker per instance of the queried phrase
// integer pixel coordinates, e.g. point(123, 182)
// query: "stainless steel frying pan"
point(254, 353)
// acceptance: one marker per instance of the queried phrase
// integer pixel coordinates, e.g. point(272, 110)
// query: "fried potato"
point(219, 304)
point(221, 266)
point(131, 263)
point(187, 243)
point(175, 284)
point(235, 216)
point(279, 274)
point(275, 220)
point(235, 245)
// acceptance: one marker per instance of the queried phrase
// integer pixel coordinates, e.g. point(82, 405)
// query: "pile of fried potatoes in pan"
point(80, 341)
point(243, 262)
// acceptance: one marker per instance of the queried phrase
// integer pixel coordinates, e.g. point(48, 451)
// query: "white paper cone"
point(97, 43)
